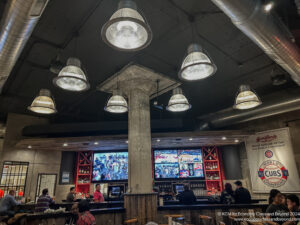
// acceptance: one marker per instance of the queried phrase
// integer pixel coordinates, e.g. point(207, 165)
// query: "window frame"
point(15, 175)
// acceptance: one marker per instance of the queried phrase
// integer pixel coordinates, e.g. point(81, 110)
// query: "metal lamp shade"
point(127, 30)
point(246, 98)
point(72, 77)
point(43, 103)
point(196, 65)
point(116, 103)
point(178, 102)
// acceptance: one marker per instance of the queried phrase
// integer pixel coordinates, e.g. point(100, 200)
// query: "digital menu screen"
point(178, 164)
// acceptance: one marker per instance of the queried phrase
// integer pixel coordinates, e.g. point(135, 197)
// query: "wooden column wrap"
point(141, 206)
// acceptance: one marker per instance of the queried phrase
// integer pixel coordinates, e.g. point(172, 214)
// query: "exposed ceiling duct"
point(274, 106)
point(266, 30)
point(17, 24)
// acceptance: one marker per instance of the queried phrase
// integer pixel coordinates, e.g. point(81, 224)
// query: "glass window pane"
point(14, 176)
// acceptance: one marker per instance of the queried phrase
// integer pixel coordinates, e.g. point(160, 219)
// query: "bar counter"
point(103, 216)
point(68, 205)
point(116, 215)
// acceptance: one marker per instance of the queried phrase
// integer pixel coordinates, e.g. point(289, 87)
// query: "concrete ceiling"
point(238, 59)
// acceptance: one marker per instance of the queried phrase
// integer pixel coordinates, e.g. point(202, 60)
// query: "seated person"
point(284, 200)
point(277, 213)
point(44, 201)
point(71, 195)
point(8, 203)
point(242, 195)
point(187, 196)
point(293, 206)
point(72, 219)
point(227, 195)
point(84, 216)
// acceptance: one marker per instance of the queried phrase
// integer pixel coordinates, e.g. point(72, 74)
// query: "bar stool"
point(233, 220)
point(131, 221)
point(173, 216)
point(206, 220)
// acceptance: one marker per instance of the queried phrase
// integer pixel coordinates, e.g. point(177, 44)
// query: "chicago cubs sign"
point(273, 173)
point(272, 162)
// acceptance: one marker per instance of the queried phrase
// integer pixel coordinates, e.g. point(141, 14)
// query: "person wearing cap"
point(242, 195)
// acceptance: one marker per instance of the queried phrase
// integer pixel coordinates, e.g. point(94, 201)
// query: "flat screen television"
point(179, 188)
point(178, 164)
point(110, 166)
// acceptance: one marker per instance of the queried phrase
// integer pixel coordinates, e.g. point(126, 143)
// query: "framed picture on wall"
point(46, 181)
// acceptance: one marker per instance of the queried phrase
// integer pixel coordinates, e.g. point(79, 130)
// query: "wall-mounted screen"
point(180, 164)
point(110, 166)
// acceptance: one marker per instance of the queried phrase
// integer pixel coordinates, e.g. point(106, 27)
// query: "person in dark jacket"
point(242, 195)
point(187, 196)
point(227, 195)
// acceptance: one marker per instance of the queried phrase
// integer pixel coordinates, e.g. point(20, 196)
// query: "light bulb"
point(178, 102)
point(72, 77)
point(196, 65)
point(116, 103)
point(43, 103)
point(246, 99)
point(127, 30)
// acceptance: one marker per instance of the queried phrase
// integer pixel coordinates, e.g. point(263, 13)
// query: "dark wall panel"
point(231, 162)
point(68, 165)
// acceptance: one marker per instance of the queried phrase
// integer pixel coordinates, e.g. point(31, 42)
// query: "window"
point(13, 177)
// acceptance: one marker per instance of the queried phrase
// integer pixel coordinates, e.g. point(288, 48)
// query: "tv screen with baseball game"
point(178, 164)
point(110, 166)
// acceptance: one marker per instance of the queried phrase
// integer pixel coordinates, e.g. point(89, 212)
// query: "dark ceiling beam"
point(104, 128)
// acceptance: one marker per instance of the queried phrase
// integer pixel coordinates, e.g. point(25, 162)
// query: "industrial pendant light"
point(246, 98)
point(178, 102)
point(43, 103)
point(72, 77)
point(127, 30)
point(196, 65)
point(116, 103)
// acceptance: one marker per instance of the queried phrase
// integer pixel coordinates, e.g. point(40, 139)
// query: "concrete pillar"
point(140, 164)
point(139, 85)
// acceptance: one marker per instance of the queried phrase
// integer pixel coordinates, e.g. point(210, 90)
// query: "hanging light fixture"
point(196, 65)
point(178, 102)
point(43, 103)
point(72, 77)
point(127, 30)
point(116, 103)
point(269, 5)
point(246, 98)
